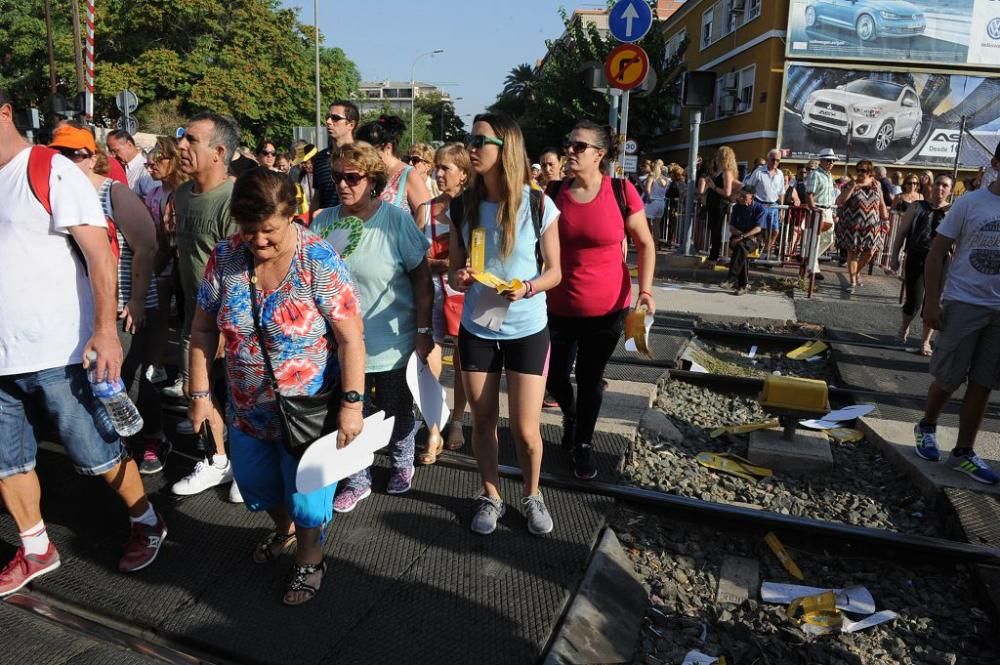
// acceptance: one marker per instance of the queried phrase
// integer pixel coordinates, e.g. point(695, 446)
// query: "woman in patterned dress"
point(315, 342)
point(863, 215)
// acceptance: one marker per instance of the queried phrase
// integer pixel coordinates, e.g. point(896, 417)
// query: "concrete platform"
point(808, 453)
point(895, 439)
point(702, 299)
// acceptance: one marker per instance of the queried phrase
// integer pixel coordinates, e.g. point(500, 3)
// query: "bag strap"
point(618, 187)
point(40, 174)
point(536, 200)
point(258, 328)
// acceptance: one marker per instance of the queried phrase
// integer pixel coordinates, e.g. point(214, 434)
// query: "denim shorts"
point(61, 397)
point(265, 474)
point(772, 219)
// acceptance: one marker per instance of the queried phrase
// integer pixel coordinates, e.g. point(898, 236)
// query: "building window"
point(707, 23)
point(753, 9)
point(735, 91)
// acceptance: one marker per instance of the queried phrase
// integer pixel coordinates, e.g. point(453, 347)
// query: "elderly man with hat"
point(821, 194)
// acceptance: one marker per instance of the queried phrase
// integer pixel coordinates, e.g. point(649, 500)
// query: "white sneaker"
point(184, 427)
point(175, 389)
point(205, 476)
point(156, 374)
point(234, 494)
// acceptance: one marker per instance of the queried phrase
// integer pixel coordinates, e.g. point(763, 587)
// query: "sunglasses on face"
point(477, 141)
point(352, 179)
point(413, 159)
point(578, 146)
point(912, 183)
point(333, 117)
point(268, 153)
point(180, 133)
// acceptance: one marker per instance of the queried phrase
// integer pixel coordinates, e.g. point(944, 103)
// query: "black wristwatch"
point(352, 397)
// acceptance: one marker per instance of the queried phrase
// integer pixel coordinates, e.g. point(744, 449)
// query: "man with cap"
point(122, 145)
point(536, 170)
point(967, 315)
point(746, 221)
point(821, 194)
point(57, 311)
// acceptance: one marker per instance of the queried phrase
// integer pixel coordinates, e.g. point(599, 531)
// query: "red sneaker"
point(25, 567)
point(143, 545)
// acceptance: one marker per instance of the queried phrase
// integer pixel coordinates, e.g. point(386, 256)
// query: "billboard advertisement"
point(888, 116)
point(944, 32)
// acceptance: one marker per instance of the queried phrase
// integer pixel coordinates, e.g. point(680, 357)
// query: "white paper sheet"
point(695, 367)
point(429, 395)
point(868, 621)
point(630, 343)
point(490, 309)
point(820, 424)
point(696, 657)
point(324, 464)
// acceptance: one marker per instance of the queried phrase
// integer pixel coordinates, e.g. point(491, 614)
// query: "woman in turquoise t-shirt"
point(387, 257)
point(505, 326)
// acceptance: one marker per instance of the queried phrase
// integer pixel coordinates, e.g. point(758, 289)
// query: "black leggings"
point(913, 276)
point(590, 341)
point(716, 220)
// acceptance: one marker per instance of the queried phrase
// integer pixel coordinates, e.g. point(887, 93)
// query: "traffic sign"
point(630, 20)
point(129, 124)
point(630, 163)
point(626, 67)
point(631, 147)
point(127, 102)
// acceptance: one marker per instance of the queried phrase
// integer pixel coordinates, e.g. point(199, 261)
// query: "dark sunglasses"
point(413, 159)
point(333, 117)
point(578, 146)
point(864, 171)
point(912, 182)
point(353, 179)
point(477, 141)
point(180, 133)
point(74, 155)
point(269, 153)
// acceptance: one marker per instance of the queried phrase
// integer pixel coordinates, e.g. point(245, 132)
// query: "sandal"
point(298, 583)
point(435, 444)
point(927, 351)
point(456, 437)
point(265, 551)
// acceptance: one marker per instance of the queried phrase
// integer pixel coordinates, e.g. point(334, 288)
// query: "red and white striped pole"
point(89, 93)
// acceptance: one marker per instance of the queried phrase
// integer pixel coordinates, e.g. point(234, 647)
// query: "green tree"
point(445, 125)
point(252, 59)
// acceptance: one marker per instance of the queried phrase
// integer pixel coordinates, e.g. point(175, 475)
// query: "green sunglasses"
point(477, 141)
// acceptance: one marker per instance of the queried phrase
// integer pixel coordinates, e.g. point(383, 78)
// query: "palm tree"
point(519, 82)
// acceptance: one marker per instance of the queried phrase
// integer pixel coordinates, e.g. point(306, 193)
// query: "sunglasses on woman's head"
point(477, 141)
point(353, 179)
point(578, 146)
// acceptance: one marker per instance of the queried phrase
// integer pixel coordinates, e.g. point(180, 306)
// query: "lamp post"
point(319, 111)
point(413, 89)
point(443, 102)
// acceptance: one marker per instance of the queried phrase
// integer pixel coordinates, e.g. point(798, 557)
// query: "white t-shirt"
point(768, 187)
point(139, 180)
point(46, 305)
point(974, 223)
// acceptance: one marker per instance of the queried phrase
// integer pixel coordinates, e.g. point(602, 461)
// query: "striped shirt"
point(820, 183)
point(125, 260)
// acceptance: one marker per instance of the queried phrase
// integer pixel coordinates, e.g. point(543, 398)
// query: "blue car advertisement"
point(945, 32)
point(890, 117)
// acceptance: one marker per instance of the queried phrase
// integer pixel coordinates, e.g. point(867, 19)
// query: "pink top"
point(595, 278)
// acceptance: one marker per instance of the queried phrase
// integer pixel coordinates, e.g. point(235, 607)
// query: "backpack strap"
point(618, 187)
point(536, 200)
point(456, 211)
point(40, 174)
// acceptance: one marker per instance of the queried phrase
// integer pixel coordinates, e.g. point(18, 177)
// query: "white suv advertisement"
point(876, 112)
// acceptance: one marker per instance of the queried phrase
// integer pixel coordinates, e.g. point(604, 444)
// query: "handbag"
point(453, 303)
point(302, 418)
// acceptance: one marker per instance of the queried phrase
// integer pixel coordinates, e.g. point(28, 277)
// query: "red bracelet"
point(647, 293)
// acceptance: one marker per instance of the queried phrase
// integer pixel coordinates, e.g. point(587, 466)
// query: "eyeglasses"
point(333, 117)
point(912, 183)
point(413, 159)
point(864, 171)
point(477, 141)
point(578, 146)
point(269, 153)
point(74, 155)
point(180, 133)
point(352, 179)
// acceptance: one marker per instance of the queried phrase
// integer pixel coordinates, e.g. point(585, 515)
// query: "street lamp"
point(447, 101)
point(413, 88)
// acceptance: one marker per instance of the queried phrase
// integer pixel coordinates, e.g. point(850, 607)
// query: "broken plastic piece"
point(786, 560)
point(733, 464)
point(637, 325)
point(808, 350)
point(743, 429)
point(695, 657)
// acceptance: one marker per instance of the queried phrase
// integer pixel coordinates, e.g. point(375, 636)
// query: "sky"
point(482, 40)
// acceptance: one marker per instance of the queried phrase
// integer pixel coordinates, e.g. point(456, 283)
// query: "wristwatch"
point(352, 397)
point(425, 331)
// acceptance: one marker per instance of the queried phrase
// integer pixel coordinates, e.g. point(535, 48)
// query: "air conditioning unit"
point(731, 81)
point(738, 6)
point(728, 105)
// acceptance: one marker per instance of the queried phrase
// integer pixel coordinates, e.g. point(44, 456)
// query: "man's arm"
point(933, 271)
point(93, 242)
point(901, 232)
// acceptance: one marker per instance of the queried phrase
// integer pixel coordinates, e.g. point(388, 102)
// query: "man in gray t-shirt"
point(968, 346)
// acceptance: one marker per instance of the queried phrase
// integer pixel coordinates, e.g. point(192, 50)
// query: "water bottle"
point(124, 416)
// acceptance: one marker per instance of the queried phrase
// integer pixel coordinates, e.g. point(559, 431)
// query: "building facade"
point(396, 95)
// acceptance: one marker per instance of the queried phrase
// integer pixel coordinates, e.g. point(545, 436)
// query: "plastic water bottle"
point(124, 415)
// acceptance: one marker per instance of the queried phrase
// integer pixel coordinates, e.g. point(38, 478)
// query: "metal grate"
point(978, 515)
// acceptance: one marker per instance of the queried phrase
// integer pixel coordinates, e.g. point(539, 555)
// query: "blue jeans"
point(62, 397)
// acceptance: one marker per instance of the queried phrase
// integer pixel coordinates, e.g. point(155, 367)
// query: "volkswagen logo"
point(993, 28)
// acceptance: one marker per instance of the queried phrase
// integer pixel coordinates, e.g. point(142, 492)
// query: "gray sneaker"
point(488, 511)
point(539, 520)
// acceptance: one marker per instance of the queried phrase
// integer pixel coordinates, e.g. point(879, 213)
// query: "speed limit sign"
point(631, 147)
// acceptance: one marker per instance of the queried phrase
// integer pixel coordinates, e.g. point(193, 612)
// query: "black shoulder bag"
point(303, 418)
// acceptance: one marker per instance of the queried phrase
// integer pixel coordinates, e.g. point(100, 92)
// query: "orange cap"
point(73, 138)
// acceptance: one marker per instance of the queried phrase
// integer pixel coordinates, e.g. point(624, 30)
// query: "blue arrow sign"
point(630, 20)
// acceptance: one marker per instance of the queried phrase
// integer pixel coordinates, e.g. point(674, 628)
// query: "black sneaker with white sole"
point(583, 464)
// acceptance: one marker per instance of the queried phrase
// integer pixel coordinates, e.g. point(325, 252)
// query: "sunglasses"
point(333, 117)
point(352, 179)
point(179, 134)
point(477, 141)
point(578, 146)
point(74, 155)
point(413, 159)
point(864, 171)
point(269, 153)
point(914, 183)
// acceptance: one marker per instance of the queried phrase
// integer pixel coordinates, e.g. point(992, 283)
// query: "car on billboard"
point(869, 19)
point(879, 112)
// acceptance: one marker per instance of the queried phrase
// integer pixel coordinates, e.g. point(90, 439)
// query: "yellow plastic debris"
point(733, 464)
point(793, 393)
point(743, 429)
point(845, 434)
point(808, 350)
point(448, 360)
point(786, 560)
point(477, 251)
point(635, 329)
point(819, 611)
point(494, 282)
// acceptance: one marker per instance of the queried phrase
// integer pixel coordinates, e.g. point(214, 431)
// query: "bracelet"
point(200, 394)
point(646, 292)
point(530, 289)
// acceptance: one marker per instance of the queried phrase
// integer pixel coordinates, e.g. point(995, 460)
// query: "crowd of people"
point(314, 275)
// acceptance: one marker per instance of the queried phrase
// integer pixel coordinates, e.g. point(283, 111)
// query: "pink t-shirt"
point(595, 279)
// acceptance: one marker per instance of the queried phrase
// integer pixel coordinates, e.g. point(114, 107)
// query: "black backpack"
point(536, 201)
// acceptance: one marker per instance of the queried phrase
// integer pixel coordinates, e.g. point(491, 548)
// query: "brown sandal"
point(265, 551)
point(298, 583)
point(435, 444)
point(456, 437)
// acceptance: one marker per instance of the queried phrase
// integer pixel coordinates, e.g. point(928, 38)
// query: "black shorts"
point(526, 355)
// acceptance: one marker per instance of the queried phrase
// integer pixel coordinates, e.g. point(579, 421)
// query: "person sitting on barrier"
point(746, 221)
point(917, 230)
point(768, 183)
point(969, 323)
point(387, 256)
point(515, 227)
point(587, 309)
point(863, 216)
point(313, 341)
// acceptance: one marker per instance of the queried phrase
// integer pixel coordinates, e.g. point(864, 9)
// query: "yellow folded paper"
point(808, 350)
point(635, 329)
point(819, 611)
point(743, 429)
point(733, 464)
point(786, 560)
point(494, 282)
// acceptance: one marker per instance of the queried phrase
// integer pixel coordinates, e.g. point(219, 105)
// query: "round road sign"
point(129, 124)
point(126, 101)
point(631, 147)
point(626, 67)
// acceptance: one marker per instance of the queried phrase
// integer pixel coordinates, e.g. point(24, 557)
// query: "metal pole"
point(319, 111)
point(78, 46)
point(89, 97)
point(413, 91)
point(692, 179)
point(52, 50)
point(847, 156)
point(622, 134)
point(958, 150)
point(613, 121)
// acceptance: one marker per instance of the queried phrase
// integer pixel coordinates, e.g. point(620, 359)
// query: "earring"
point(373, 194)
